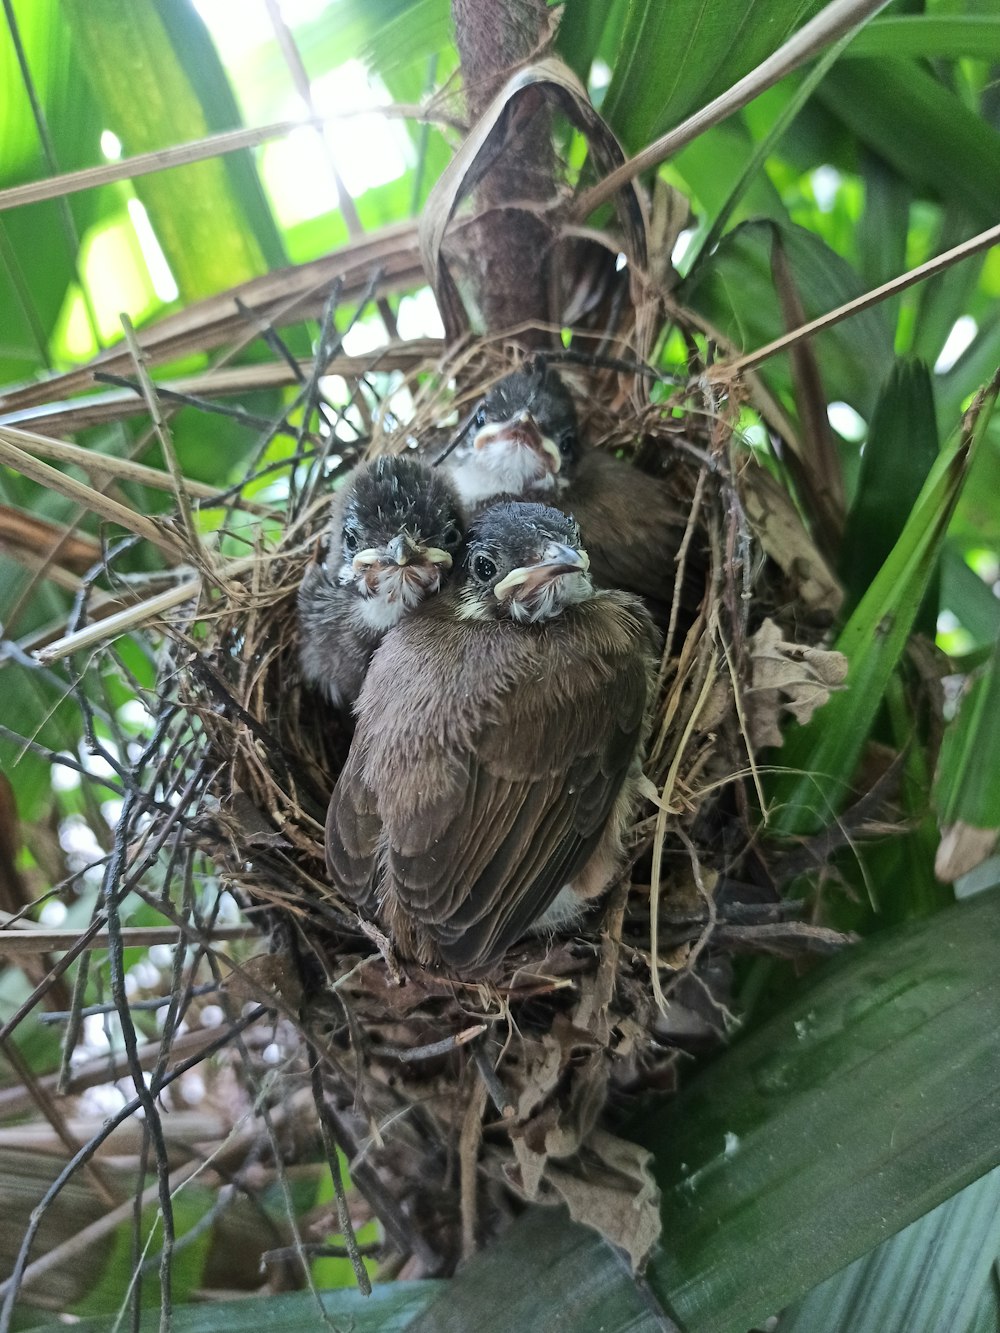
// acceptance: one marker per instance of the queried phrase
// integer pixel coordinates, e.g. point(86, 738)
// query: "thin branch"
point(197, 150)
point(162, 433)
point(133, 617)
point(144, 1006)
point(38, 940)
point(143, 164)
point(54, 480)
point(331, 1147)
point(414, 1054)
point(724, 370)
point(320, 1250)
point(237, 414)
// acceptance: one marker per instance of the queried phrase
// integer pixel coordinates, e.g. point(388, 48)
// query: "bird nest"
point(453, 1100)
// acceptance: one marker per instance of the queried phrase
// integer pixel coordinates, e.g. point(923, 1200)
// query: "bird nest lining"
point(453, 1098)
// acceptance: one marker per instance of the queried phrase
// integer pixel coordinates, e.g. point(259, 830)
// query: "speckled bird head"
point(523, 561)
point(524, 441)
point(400, 530)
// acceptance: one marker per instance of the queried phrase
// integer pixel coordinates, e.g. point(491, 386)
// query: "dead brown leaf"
point(962, 848)
point(787, 678)
point(783, 535)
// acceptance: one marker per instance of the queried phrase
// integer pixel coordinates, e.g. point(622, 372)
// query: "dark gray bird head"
point(400, 529)
point(525, 562)
point(525, 438)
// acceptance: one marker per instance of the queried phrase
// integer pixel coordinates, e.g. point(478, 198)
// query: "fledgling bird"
point(395, 528)
point(496, 760)
point(526, 444)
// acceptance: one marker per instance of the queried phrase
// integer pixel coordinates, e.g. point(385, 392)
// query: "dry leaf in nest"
point(787, 677)
point(784, 538)
point(609, 1186)
point(962, 848)
point(561, 1153)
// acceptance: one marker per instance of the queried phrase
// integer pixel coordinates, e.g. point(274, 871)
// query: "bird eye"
point(452, 537)
point(479, 420)
point(567, 445)
point(351, 541)
point(483, 568)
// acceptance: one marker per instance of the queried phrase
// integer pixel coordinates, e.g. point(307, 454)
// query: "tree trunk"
point(503, 255)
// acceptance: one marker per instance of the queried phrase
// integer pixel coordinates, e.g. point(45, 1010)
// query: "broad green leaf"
point(70, 111)
point(711, 166)
point(921, 128)
point(893, 878)
point(751, 172)
point(882, 228)
point(149, 101)
point(957, 385)
point(869, 1099)
point(24, 1178)
point(32, 774)
point(584, 29)
point(967, 789)
point(674, 58)
point(306, 240)
point(734, 289)
point(36, 250)
point(190, 1207)
point(965, 594)
point(940, 301)
point(930, 1275)
point(987, 1316)
point(386, 35)
point(546, 1272)
point(390, 1308)
point(412, 53)
point(900, 450)
point(816, 137)
point(189, 38)
point(819, 758)
point(38, 709)
point(395, 33)
point(946, 36)
point(231, 442)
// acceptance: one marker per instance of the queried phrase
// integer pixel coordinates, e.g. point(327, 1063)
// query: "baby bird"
point(526, 445)
point(395, 528)
point(524, 442)
point(496, 760)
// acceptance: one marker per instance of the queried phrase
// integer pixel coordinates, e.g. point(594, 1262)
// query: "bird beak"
point(557, 560)
point(409, 568)
point(520, 432)
point(398, 554)
point(402, 550)
point(371, 560)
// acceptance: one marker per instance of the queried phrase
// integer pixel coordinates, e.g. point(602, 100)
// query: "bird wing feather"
point(608, 497)
point(523, 807)
point(353, 832)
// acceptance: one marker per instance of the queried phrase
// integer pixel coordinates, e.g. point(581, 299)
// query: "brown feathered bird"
point(525, 443)
point(496, 758)
point(395, 528)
